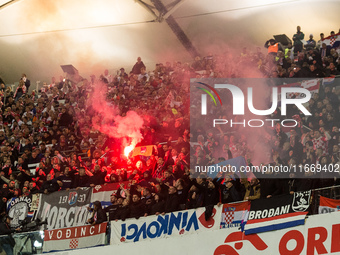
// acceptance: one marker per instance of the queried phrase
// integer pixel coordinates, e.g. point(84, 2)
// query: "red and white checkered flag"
point(228, 217)
point(332, 40)
point(74, 243)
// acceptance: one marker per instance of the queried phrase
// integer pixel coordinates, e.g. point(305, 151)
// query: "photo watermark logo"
point(236, 129)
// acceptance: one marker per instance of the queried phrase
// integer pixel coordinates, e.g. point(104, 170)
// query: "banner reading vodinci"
point(74, 237)
point(64, 209)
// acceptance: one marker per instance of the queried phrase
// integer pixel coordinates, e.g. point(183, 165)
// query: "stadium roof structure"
point(37, 36)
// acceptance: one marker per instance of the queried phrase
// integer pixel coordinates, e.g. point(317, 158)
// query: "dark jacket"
point(271, 186)
point(148, 202)
point(81, 181)
point(112, 211)
point(121, 213)
point(65, 119)
point(229, 195)
point(98, 178)
point(100, 214)
point(6, 230)
point(210, 195)
point(194, 201)
point(137, 209)
point(157, 207)
point(50, 186)
point(172, 203)
point(136, 68)
point(35, 190)
point(67, 181)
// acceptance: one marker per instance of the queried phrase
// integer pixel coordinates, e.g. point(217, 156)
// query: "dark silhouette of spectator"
point(253, 190)
point(98, 214)
point(26, 81)
point(158, 207)
point(50, 185)
point(81, 179)
point(297, 39)
point(137, 207)
point(7, 241)
point(172, 200)
point(136, 69)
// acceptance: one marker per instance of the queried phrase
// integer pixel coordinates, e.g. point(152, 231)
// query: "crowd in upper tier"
point(55, 128)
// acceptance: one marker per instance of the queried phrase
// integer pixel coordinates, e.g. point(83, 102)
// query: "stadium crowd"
point(53, 128)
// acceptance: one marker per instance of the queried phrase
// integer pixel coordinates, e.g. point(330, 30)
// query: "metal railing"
point(24, 243)
point(329, 192)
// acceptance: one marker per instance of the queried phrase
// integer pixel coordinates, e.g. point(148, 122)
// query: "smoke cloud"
point(247, 64)
point(110, 122)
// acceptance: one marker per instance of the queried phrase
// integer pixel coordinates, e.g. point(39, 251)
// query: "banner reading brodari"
point(160, 226)
point(65, 209)
point(75, 237)
point(277, 212)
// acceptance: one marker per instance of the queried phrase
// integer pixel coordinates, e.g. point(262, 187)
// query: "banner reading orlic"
point(64, 209)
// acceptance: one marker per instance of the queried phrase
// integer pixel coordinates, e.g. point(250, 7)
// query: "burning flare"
point(128, 149)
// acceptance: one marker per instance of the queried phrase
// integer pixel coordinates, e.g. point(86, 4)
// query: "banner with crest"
point(64, 209)
point(278, 212)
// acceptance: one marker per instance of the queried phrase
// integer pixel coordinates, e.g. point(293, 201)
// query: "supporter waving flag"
point(235, 166)
point(332, 40)
point(103, 193)
point(143, 150)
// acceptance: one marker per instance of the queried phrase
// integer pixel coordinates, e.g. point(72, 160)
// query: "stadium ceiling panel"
point(5, 3)
point(40, 35)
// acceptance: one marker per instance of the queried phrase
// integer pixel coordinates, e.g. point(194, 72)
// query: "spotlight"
point(37, 244)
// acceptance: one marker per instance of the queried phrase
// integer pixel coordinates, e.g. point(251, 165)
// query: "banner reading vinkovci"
point(163, 226)
point(65, 209)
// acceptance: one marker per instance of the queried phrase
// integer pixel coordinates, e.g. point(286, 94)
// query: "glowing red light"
point(128, 149)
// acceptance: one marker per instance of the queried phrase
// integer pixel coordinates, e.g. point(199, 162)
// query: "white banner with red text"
point(320, 235)
point(75, 237)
